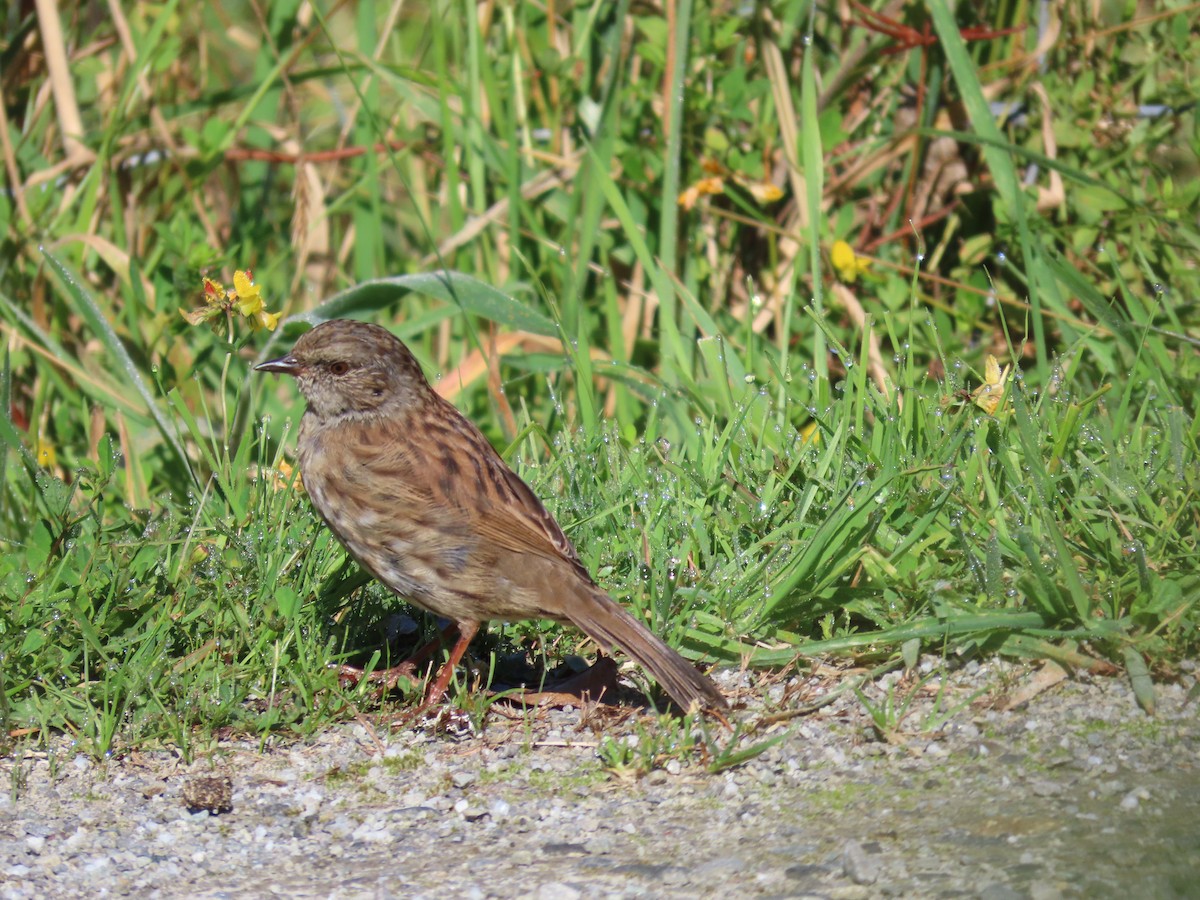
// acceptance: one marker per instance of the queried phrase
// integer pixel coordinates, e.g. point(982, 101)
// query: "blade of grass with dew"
point(828, 552)
point(104, 393)
point(87, 308)
point(1043, 287)
point(812, 160)
point(8, 434)
point(676, 358)
point(1044, 492)
point(924, 630)
point(678, 43)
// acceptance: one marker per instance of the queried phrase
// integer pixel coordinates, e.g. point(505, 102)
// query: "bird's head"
point(353, 369)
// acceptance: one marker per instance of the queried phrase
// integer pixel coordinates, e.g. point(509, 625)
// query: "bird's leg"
point(466, 632)
point(388, 678)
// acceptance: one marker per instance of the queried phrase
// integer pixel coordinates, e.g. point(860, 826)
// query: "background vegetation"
point(720, 279)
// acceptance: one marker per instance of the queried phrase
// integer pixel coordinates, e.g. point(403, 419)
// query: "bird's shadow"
point(371, 628)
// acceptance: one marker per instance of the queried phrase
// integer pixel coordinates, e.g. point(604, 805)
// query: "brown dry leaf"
point(1054, 196)
point(1045, 678)
point(475, 365)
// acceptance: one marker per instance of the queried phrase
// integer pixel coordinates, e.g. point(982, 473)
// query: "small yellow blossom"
point(762, 191)
point(714, 182)
point(989, 394)
point(710, 185)
point(45, 455)
point(249, 297)
point(280, 478)
point(285, 477)
point(245, 298)
point(848, 264)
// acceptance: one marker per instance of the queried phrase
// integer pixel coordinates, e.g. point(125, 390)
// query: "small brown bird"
point(425, 504)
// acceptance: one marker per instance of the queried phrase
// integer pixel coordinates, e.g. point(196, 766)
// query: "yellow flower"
point(848, 264)
point(280, 477)
point(250, 302)
point(285, 476)
point(762, 191)
point(45, 455)
point(709, 185)
point(989, 394)
point(714, 183)
point(215, 304)
point(268, 320)
point(249, 297)
point(245, 297)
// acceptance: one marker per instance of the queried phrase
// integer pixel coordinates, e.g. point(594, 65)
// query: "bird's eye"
point(340, 368)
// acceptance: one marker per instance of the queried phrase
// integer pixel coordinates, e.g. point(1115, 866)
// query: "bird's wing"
point(524, 516)
point(452, 474)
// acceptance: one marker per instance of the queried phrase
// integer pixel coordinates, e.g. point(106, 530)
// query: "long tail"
point(600, 618)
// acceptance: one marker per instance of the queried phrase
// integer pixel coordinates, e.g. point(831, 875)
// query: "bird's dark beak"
point(284, 365)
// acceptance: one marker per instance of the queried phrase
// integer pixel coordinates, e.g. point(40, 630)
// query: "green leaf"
point(37, 546)
point(1139, 679)
point(464, 291)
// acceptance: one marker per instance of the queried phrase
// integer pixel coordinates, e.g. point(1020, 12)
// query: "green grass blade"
point(91, 313)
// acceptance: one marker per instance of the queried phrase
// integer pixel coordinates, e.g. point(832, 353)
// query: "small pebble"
point(858, 867)
point(556, 890)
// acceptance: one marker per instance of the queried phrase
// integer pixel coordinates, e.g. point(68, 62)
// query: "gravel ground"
point(1074, 793)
